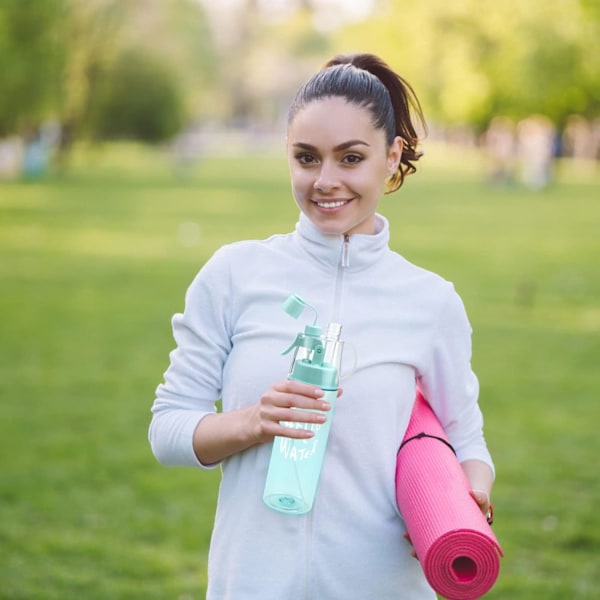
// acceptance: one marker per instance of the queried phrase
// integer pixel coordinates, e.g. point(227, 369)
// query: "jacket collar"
point(358, 252)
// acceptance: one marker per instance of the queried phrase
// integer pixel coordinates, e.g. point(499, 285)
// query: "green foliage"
point(31, 57)
point(91, 269)
point(139, 99)
point(472, 59)
point(469, 60)
point(66, 59)
point(179, 33)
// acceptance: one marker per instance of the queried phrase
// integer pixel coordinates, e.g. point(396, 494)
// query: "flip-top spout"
point(295, 305)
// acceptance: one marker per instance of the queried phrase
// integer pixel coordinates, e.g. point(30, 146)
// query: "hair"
point(367, 81)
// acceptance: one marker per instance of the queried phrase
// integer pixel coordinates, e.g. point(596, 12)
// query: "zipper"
point(337, 301)
point(345, 262)
point(339, 279)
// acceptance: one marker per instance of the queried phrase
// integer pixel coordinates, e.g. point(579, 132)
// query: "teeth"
point(332, 204)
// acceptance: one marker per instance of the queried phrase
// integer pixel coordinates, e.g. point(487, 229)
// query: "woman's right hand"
point(219, 435)
point(287, 401)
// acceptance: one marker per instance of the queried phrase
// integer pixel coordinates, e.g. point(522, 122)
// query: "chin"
point(329, 228)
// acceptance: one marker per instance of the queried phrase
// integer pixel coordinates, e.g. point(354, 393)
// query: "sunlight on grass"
point(93, 265)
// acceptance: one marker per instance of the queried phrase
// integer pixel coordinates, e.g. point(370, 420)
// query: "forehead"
point(333, 119)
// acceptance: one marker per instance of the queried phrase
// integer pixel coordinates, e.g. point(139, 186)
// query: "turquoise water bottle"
point(295, 465)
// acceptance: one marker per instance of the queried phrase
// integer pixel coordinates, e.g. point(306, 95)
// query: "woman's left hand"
point(485, 506)
point(480, 478)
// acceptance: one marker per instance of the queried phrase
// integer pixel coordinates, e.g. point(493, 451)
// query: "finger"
point(482, 499)
point(289, 386)
point(292, 422)
point(299, 416)
point(296, 395)
point(413, 552)
point(296, 408)
point(276, 397)
point(299, 402)
point(296, 433)
point(302, 431)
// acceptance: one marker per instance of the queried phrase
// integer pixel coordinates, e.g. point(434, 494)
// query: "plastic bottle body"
point(295, 465)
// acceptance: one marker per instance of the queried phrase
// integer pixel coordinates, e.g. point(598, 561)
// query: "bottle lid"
point(294, 305)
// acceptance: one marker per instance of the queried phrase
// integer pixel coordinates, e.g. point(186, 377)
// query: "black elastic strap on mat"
point(426, 435)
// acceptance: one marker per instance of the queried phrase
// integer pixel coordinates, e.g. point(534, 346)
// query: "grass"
point(92, 266)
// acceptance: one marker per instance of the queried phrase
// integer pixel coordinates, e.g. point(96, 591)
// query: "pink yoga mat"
point(457, 549)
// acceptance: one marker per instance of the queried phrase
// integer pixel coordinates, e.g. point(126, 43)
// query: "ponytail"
point(366, 80)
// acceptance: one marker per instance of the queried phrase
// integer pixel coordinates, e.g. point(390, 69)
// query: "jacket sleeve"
point(193, 381)
point(450, 385)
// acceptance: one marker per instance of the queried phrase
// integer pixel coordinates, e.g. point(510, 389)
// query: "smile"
point(335, 204)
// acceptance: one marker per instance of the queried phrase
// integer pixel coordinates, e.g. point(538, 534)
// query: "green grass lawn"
point(93, 265)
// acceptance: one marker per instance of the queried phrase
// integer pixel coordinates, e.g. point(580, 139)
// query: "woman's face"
point(338, 165)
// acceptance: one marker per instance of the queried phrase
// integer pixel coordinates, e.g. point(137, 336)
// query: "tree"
point(57, 57)
point(472, 59)
point(139, 99)
point(92, 32)
point(31, 60)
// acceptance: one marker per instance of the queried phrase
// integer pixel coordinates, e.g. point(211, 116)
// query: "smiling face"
point(338, 165)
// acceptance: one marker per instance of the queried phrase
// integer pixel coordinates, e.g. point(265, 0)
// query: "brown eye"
point(352, 159)
point(305, 158)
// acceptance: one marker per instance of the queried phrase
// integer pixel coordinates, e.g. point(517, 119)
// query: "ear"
point(395, 154)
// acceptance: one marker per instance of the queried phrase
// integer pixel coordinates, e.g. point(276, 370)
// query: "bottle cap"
point(294, 305)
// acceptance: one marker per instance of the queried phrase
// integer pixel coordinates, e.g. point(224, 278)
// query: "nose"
point(327, 179)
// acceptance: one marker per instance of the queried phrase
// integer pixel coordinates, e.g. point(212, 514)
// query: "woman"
point(350, 139)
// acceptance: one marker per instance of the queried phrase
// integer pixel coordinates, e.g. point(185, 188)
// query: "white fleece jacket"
point(408, 327)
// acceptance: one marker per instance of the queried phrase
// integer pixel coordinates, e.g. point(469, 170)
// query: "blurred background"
point(193, 73)
point(138, 136)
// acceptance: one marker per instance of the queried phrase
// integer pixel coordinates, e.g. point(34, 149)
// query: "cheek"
point(368, 182)
point(300, 179)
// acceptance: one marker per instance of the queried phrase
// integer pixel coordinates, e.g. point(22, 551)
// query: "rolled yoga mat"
point(456, 547)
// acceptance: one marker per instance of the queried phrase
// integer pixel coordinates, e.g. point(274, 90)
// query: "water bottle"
point(295, 465)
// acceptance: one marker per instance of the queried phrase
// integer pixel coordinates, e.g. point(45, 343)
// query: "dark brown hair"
point(367, 81)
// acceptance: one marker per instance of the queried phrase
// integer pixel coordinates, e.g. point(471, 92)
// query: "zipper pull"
point(346, 251)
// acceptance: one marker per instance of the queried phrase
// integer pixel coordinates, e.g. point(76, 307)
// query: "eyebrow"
point(338, 148)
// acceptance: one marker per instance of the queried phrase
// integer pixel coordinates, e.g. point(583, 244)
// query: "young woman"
point(350, 139)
